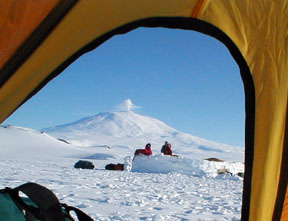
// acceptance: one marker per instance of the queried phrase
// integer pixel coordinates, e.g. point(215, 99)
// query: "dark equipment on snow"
point(113, 166)
point(84, 164)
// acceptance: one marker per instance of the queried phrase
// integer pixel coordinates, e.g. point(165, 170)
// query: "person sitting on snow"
point(166, 149)
point(147, 151)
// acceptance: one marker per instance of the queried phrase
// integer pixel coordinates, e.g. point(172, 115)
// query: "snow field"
point(152, 188)
point(124, 195)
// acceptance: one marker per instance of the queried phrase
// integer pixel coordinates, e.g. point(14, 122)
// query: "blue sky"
point(184, 78)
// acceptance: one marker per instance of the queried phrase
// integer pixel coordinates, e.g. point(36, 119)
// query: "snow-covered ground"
point(157, 187)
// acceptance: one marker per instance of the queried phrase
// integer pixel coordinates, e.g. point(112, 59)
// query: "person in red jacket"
point(147, 151)
point(166, 149)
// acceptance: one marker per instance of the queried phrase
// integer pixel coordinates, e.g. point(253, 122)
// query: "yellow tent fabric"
point(38, 41)
point(18, 23)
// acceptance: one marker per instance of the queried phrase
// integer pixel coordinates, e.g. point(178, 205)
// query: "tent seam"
point(197, 8)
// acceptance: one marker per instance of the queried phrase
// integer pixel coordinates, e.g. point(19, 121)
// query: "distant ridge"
point(119, 124)
point(129, 130)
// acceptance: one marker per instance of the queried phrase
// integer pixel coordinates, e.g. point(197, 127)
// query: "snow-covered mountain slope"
point(19, 142)
point(116, 124)
point(127, 131)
